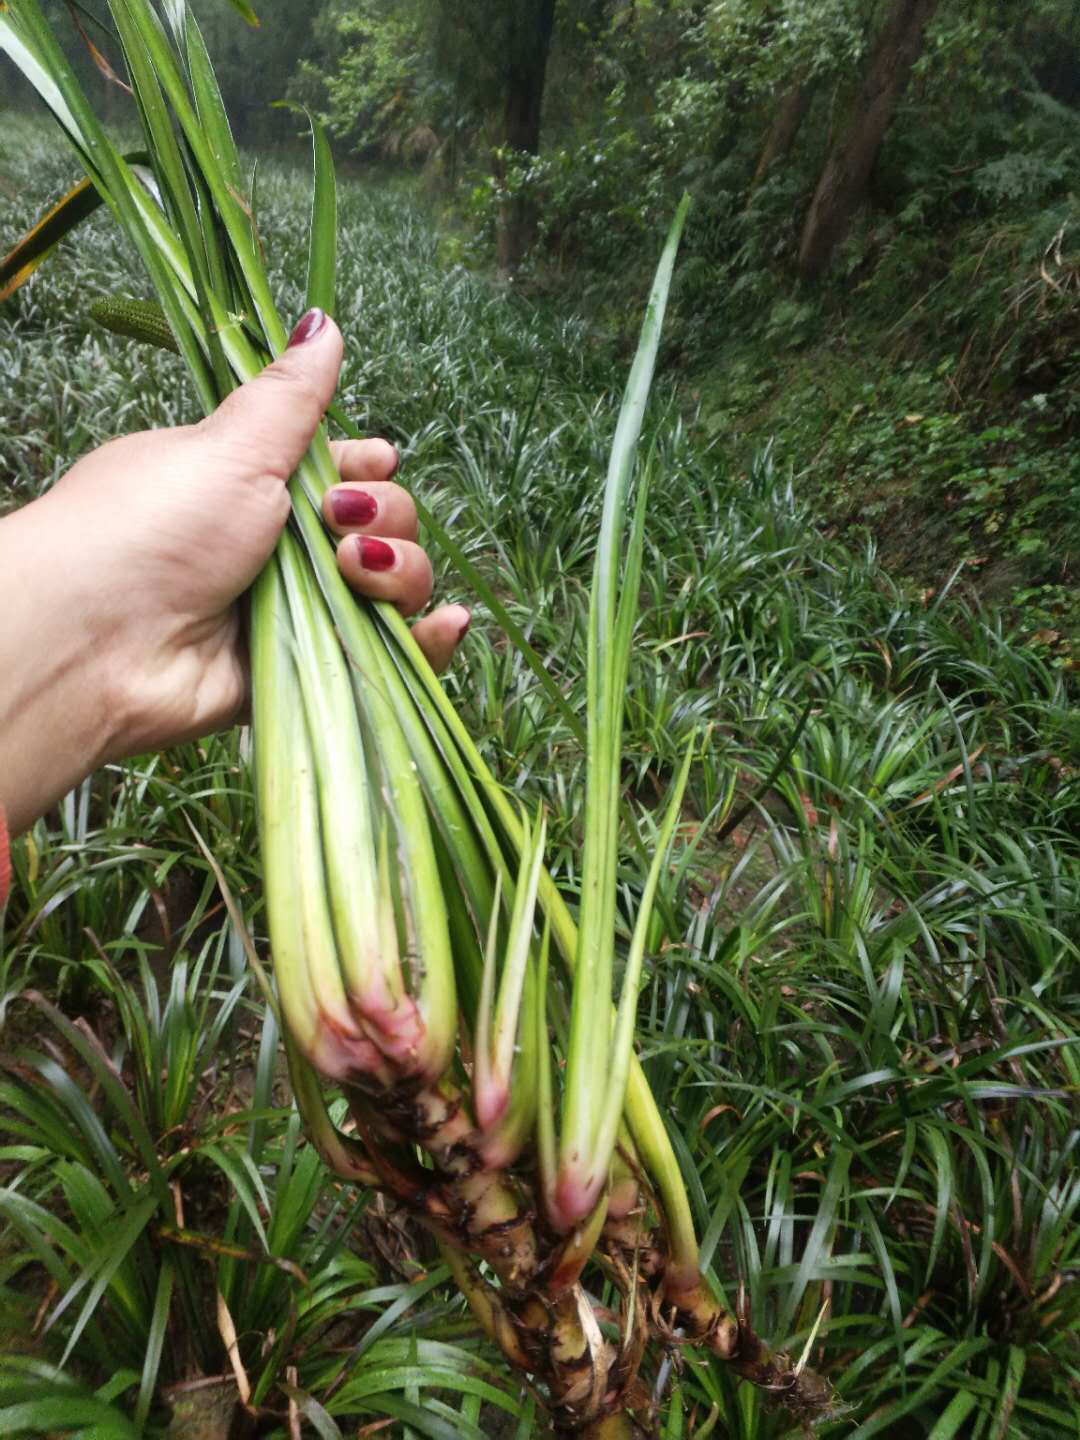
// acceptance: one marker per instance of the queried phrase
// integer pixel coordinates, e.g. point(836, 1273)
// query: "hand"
point(119, 631)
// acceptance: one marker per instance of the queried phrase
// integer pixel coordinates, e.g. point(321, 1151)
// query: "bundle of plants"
point(424, 962)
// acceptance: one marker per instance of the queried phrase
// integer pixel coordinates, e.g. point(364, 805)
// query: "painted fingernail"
point(376, 554)
point(307, 327)
point(353, 507)
point(464, 629)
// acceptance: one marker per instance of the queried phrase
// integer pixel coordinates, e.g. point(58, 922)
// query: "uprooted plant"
point(423, 959)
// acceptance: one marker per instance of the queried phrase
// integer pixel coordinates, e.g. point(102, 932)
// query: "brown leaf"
point(294, 1409)
point(211, 1246)
point(96, 55)
point(954, 774)
point(716, 1110)
point(1012, 1267)
point(227, 1330)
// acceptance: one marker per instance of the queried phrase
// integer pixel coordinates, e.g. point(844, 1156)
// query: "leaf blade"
point(322, 255)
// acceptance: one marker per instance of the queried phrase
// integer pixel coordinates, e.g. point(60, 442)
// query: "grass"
point(910, 435)
point(860, 1011)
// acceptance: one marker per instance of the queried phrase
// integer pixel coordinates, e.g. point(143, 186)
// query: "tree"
point(254, 64)
point(438, 67)
point(496, 58)
point(785, 127)
point(374, 79)
point(843, 183)
point(530, 27)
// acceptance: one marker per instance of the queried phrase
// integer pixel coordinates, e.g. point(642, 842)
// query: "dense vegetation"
point(860, 1016)
point(907, 339)
point(861, 1012)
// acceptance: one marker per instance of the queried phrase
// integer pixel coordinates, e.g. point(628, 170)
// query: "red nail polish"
point(464, 629)
point(376, 554)
point(353, 507)
point(307, 327)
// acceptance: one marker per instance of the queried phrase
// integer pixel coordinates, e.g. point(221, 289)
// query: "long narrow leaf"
point(322, 257)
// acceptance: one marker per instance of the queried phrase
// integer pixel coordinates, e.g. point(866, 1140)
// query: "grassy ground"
point(939, 479)
point(927, 398)
point(861, 1013)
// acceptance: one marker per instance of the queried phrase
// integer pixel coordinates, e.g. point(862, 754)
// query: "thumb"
point(272, 418)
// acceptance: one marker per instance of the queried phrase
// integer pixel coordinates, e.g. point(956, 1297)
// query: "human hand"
point(129, 569)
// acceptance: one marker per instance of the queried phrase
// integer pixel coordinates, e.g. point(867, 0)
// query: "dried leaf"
point(946, 780)
point(95, 54)
point(227, 1330)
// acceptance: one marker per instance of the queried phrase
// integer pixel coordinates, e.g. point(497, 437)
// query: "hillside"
point(859, 1014)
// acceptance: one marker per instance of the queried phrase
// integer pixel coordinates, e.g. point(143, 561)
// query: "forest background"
point(861, 1013)
point(881, 271)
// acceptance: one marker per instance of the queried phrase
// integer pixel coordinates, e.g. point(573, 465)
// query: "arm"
point(56, 723)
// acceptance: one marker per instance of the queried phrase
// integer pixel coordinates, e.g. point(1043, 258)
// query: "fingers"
point(270, 420)
point(439, 634)
point(378, 555)
point(367, 500)
point(364, 460)
point(378, 507)
point(386, 569)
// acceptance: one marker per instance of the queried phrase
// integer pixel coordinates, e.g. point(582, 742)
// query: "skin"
point(119, 628)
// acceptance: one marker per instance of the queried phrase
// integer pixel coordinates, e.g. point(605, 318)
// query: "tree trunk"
point(784, 129)
point(530, 44)
point(843, 183)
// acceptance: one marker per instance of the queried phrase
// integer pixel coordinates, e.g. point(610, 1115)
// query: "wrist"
point(58, 717)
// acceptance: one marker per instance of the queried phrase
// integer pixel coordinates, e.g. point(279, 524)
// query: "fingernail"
point(353, 507)
point(307, 326)
point(376, 554)
point(464, 629)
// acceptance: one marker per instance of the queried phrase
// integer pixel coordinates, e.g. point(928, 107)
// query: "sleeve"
point(5, 860)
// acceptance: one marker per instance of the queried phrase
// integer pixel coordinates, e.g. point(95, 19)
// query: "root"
point(534, 1309)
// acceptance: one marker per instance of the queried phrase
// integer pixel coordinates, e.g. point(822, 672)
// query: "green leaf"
point(406, 1299)
point(47, 1413)
point(101, 1067)
point(244, 1180)
point(117, 1384)
point(819, 1241)
point(1014, 1378)
point(244, 9)
point(116, 1243)
point(884, 1421)
point(81, 1117)
point(25, 49)
point(424, 1420)
point(45, 1233)
point(47, 68)
point(953, 1418)
point(213, 116)
point(587, 1061)
point(155, 1341)
point(322, 255)
point(320, 1421)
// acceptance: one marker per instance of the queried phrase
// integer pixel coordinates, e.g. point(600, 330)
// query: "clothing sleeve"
point(5, 859)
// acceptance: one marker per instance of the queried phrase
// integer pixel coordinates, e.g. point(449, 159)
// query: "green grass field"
point(861, 1010)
